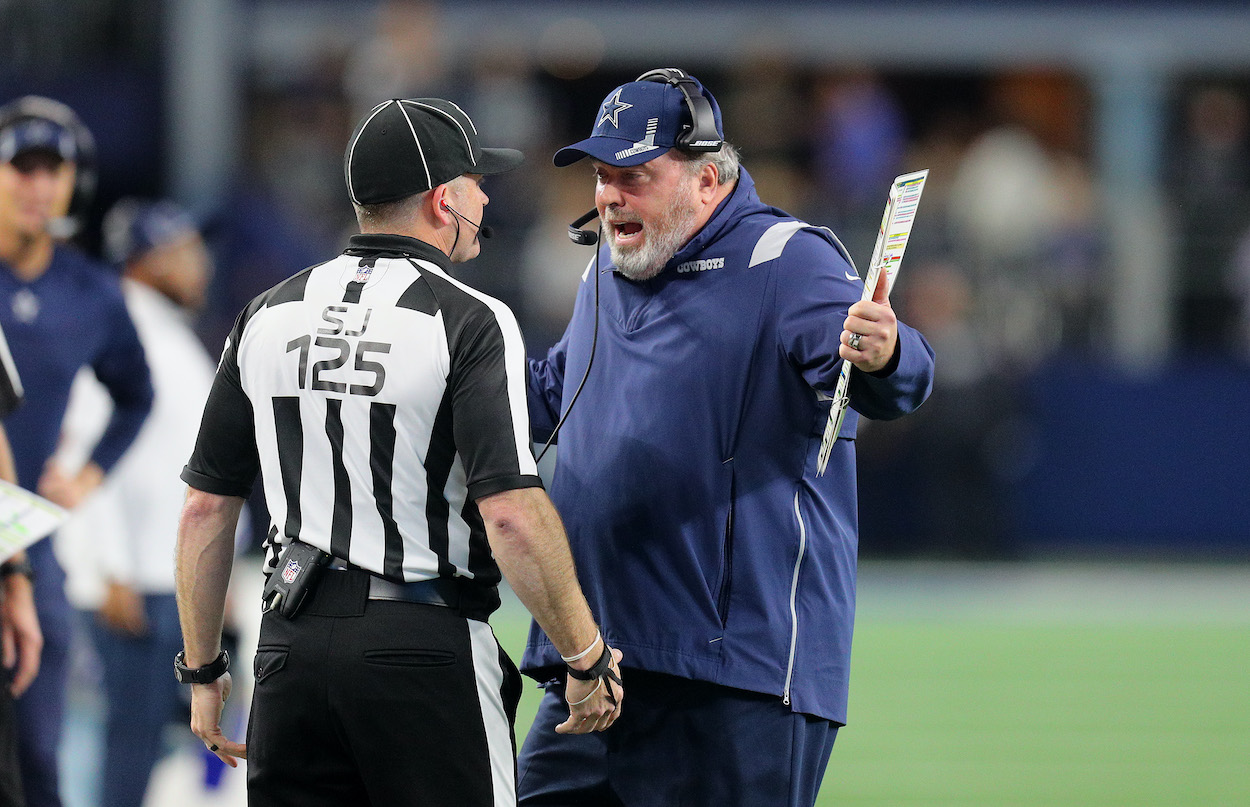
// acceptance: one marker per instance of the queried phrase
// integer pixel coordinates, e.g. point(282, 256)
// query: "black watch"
point(200, 675)
point(21, 567)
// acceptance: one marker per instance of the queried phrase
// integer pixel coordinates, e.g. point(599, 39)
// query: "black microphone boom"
point(483, 231)
point(587, 238)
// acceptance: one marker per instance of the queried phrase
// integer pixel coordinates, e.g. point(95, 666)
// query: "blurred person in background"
point(60, 311)
point(121, 561)
point(1210, 178)
point(764, 76)
point(858, 145)
point(711, 548)
point(273, 220)
point(501, 93)
point(1021, 212)
point(21, 641)
point(403, 56)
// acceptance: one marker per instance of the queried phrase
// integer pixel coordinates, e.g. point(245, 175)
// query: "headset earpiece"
point(701, 134)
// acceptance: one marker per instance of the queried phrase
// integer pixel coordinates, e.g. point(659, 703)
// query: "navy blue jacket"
point(686, 476)
point(71, 316)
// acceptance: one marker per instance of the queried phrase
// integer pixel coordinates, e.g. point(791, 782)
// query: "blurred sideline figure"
point(21, 638)
point(60, 311)
point(119, 546)
point(1209, 176)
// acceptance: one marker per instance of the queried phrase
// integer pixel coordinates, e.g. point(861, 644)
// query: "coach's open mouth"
point(627, 230)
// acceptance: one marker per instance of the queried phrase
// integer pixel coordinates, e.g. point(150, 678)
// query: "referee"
point(384, 403)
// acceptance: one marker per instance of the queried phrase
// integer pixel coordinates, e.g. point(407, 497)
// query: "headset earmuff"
point(701, 134)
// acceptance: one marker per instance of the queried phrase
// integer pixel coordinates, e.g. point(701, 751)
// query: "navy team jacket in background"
point(686, 475)
point(72, 316)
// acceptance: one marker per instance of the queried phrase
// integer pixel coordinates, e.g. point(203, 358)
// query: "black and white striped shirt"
point(380, 398)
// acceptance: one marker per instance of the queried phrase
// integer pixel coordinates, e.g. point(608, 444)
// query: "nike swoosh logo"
point(850, 276)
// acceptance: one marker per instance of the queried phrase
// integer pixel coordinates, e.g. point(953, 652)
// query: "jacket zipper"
point(722, 599)
point(794, 593)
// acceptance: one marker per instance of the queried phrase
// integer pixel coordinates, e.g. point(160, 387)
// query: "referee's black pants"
point(367, 702)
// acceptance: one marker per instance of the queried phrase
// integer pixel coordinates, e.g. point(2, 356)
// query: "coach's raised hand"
point(874, 322)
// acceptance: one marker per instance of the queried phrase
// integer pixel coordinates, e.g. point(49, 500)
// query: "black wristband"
point(21, 567)
point(200, 675)
point(599, 669)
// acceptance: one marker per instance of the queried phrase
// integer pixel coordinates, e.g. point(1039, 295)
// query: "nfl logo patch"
point(362, 274)
point(291, 570)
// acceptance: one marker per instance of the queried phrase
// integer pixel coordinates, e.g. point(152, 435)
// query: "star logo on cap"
point(613, 107)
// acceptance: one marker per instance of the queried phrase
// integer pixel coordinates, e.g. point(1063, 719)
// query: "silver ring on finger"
point(854, 341)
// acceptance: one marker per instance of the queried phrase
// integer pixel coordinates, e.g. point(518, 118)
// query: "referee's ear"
point(440, 206)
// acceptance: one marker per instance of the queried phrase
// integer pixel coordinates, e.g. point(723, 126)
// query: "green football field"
point(1038, 684)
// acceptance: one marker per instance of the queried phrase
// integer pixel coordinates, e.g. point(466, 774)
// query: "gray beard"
point(663, 239)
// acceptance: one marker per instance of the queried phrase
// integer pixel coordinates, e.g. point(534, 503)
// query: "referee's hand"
point(207, 701)
point(593, 705)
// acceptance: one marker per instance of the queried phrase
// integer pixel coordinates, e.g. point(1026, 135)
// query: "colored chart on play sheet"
point(25, 518)
point(887, 256)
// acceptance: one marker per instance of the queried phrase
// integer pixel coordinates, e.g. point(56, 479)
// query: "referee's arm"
point(530, 546)
point(203, 561)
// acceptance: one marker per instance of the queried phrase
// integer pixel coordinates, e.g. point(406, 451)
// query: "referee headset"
point(697, 137)
point(37, 107)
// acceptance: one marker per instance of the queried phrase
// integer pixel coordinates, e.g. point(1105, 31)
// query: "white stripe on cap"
point(429, 181)
point(467, 143)
point(466, 115)
point(351, 191)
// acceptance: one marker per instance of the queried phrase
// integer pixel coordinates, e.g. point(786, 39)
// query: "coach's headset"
point(698, 136)
point(37, 107)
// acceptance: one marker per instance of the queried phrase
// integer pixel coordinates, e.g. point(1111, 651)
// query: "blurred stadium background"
point(1056, 594)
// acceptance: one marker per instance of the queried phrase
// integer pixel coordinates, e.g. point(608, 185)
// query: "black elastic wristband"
point(21, 567)
point(599, 670)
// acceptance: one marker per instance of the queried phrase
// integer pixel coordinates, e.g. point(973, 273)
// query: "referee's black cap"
point(408, 146)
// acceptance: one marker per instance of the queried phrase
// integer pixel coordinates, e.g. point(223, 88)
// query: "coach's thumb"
point(881, 294)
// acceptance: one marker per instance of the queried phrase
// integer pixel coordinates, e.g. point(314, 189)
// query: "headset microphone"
point(587, 238)
point(483, 231)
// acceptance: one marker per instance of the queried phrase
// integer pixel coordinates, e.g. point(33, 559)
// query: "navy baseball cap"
point(636, 123)
point(37, 134)
point(134, 227)
point(408, 146)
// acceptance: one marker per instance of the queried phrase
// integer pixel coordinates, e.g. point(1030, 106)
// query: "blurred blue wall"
point(1159, 464)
